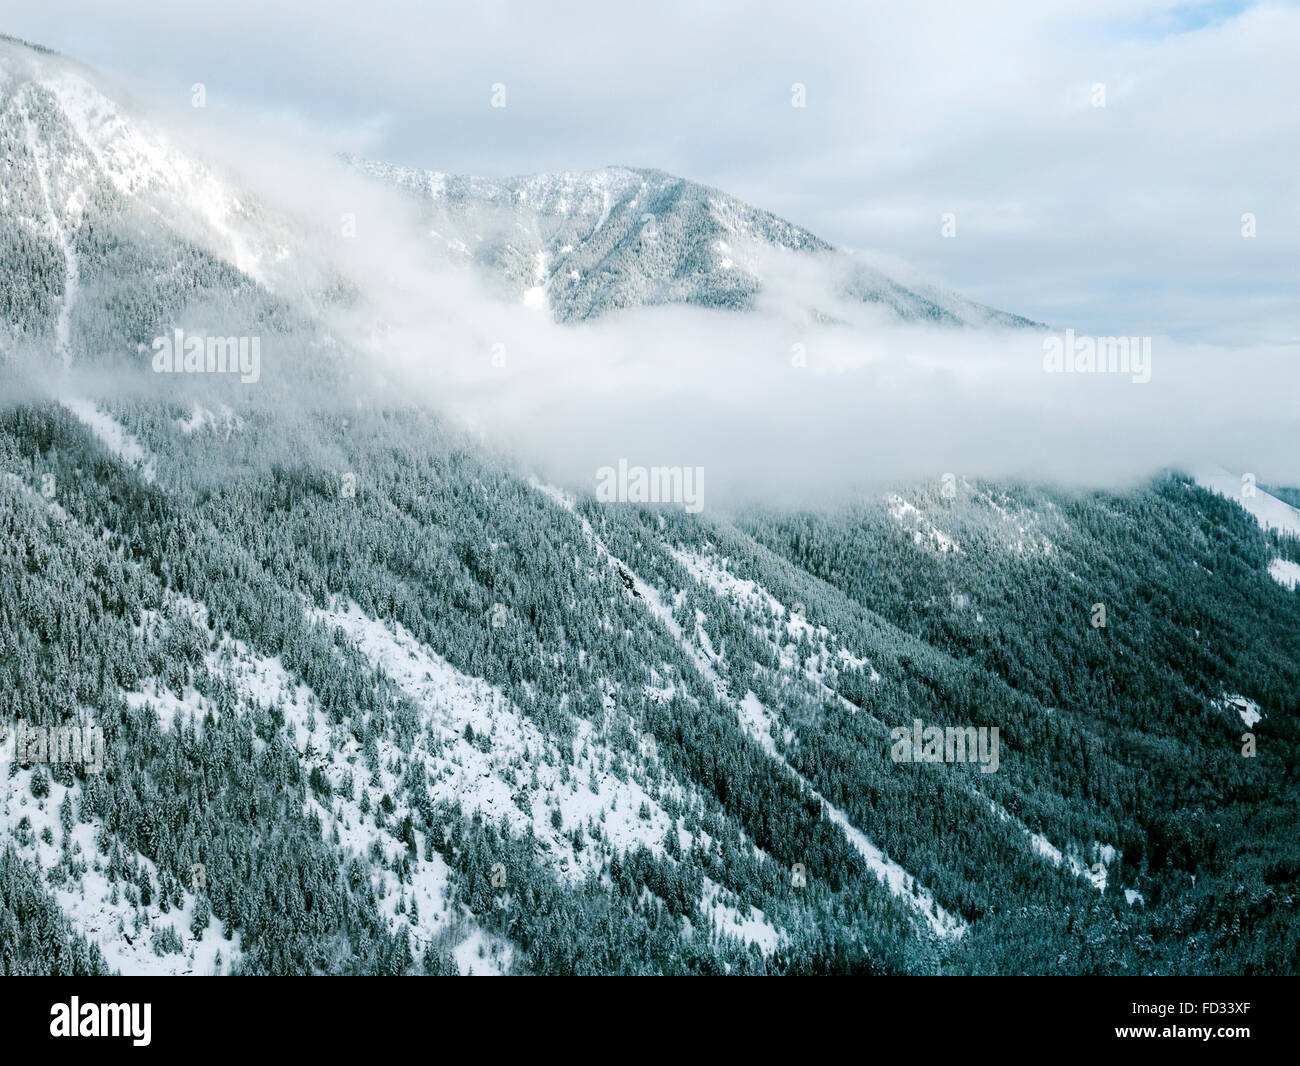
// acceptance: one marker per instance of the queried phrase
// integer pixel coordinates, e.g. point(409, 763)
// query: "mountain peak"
point(586, 243)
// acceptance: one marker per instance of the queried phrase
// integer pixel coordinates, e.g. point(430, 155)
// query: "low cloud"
point(776, 404)
point(780, 406)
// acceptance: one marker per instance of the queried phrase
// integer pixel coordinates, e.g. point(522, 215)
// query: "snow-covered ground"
point(1270, 512)
point(512, 772)
point(730, 918)
point(923, 530)
point(792, 624)
point(1248, 709)
point(476, 750)
point(224, 423)
point(114, 437)
point(757, 722)
point(483, 777)
point(1285, 573)
point(1096, 873)
point(1021, 528)
point(98, 910)
point(140, 162)
point(263, 681)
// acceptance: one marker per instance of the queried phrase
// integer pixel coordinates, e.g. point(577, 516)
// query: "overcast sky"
point(1126, 217)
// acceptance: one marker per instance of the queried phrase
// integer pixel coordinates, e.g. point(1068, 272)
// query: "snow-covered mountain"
point(374, 699)
point(74, 155)
point(577, 244)
point(583, 244)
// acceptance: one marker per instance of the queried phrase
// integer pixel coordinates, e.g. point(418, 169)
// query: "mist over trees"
point(738, 673)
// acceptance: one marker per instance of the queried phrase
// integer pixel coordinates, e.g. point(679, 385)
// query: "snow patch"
point(479, 774)
point(123, 929)
point(1285, 573)
point(727, 919)
point(114, 437)
point(1268, 511)
point(1248, 709)
point(923, 530)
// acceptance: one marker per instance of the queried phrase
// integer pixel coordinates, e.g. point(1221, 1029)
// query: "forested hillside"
point(375, 699)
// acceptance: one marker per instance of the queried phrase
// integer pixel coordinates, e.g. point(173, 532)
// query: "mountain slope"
point(376, 700)
point(584, 244)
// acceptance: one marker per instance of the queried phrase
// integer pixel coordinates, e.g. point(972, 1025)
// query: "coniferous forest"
point(375, 700)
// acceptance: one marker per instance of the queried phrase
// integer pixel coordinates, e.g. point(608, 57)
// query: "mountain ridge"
point(669, 239)
point(374, 700)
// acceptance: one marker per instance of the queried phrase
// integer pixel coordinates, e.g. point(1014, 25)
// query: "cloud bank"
point(775, 406)
point(1121, 218)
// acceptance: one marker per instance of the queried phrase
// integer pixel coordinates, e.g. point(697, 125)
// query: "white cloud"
point(1108, 220)
point(1127, 216)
